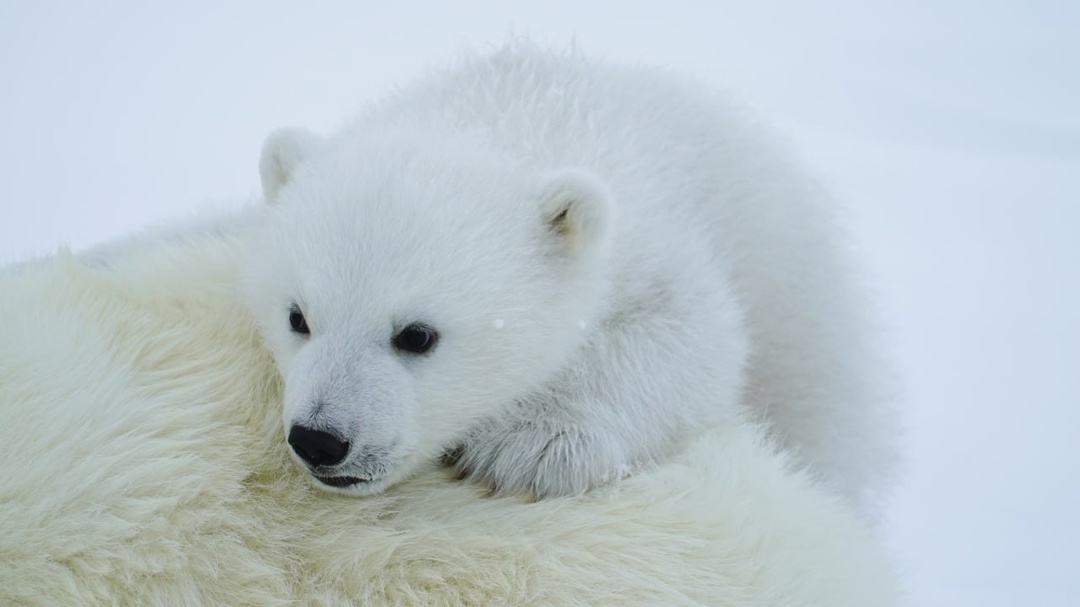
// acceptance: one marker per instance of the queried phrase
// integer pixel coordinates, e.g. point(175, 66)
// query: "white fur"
point(705, 270)
point(201, 226)
point(699, 278)
point(142, 463)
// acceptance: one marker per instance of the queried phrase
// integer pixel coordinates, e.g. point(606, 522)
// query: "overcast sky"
point(951, 129)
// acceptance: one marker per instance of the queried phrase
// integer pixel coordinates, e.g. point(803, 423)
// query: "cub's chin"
point(349, 485)
point(359, 484)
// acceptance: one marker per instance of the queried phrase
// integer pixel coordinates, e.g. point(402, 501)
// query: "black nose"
point(317, 448)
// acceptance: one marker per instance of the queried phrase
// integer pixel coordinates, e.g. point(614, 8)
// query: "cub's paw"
point(537, 459)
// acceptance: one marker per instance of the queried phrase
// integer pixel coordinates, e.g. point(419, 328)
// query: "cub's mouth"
point(344, 484)
point(341, 481)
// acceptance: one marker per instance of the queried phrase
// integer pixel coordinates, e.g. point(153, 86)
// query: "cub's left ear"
point(576, 206)
point(284, 150)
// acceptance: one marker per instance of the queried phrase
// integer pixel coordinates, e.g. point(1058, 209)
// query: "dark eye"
point(416, 339)
point(298, 322)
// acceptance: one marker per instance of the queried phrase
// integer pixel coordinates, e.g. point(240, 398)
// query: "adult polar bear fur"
point(141, 463)
point(550, 270)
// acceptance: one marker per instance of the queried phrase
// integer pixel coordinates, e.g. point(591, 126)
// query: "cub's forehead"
point(403, 217)
point(361, 266)
point(393, 183)
point(403, 229)
point(398, 194)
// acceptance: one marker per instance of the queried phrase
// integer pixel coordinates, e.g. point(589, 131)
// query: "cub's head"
point(409, 287)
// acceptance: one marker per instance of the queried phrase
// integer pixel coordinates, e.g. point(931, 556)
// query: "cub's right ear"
point(576, 206)
point(283, 151)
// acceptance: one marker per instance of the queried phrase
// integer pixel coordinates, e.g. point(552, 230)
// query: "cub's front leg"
point(631, 394)
point(543, 449)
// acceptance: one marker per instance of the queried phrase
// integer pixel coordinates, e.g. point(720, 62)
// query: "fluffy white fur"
point(613, 259)
point(142, 463)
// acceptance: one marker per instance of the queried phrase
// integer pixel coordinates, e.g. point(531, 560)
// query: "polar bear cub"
point(547, 271)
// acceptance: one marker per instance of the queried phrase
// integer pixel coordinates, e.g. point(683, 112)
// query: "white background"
point(951, 129)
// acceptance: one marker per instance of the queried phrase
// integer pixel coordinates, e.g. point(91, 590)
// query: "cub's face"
point(408, 290)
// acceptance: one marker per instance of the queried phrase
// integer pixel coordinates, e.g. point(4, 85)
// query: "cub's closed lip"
point(340, 481)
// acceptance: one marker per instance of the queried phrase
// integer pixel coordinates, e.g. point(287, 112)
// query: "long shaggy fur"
point(142, 463)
